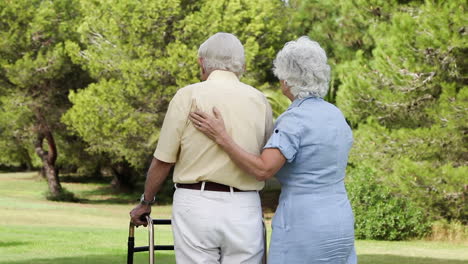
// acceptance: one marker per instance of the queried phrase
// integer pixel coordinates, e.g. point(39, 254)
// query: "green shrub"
point(441, 190)
point(425, 165)
point(381, 214)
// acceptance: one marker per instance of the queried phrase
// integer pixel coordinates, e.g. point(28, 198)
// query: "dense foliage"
point(409, 102)
point(380, 213)
point(95, 78)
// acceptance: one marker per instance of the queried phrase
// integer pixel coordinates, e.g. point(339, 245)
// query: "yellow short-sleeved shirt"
point(248, 119)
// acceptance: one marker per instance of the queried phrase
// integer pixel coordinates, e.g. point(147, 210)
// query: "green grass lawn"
point(34, 230)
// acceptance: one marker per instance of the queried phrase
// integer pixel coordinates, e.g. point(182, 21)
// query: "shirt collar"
point(298, 102)
point(223, 75)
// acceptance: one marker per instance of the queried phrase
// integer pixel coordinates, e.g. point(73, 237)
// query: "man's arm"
point(157, 173)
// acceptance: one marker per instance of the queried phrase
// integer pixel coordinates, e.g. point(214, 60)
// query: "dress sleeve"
point(286, 135)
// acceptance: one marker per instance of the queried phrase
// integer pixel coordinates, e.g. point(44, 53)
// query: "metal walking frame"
point(152, 247)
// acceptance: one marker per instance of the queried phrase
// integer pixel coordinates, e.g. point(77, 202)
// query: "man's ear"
point(200, 63)
point(202, 67)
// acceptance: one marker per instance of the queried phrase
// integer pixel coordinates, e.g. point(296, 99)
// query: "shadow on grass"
point(84, 179)
point(163, 258)
point(392, 259)
point(109, 196)
point(13, 243)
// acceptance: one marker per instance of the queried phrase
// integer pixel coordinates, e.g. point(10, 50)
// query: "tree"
point(408, 102)
point(341, 27)
point(35, 66)
point(15, 135)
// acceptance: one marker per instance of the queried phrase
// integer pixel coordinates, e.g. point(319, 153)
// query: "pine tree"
point(35, 66)
point(408, 102)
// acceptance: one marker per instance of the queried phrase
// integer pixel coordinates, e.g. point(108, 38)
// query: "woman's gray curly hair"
point(302, 64)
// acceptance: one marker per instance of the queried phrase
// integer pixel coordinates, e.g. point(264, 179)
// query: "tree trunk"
point(123, 175)
point(51, 174)
point(48, 157)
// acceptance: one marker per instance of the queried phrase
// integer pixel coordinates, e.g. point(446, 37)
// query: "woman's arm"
point(262, 167)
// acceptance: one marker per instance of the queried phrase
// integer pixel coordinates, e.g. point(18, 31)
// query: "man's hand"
point(137, 212)
point(157, 173)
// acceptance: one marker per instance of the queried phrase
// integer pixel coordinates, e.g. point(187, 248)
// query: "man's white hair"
point(222, 51)
point(302, 64)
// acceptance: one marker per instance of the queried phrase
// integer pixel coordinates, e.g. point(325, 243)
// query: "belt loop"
point(231, 190)
point(202, 187)
point(175, 186)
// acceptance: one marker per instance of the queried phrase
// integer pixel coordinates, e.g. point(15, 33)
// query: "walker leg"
point(130, 244)
point(151, 239)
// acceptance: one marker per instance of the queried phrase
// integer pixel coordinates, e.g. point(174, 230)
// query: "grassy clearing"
point(34, 230)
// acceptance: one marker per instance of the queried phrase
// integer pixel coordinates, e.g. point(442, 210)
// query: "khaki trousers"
point(217, 227)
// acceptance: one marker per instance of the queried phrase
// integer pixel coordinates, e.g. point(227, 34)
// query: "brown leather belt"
point(209, 186)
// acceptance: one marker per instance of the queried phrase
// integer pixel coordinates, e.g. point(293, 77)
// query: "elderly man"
point(216, 214)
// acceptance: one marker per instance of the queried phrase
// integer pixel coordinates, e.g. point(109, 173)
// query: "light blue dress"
point(314, 222)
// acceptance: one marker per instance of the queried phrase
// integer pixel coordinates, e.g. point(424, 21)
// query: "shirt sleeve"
point(171, 132)
point(268, 121)
point(286, 136)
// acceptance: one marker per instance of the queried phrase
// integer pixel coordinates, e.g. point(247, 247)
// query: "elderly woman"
point(308, 152)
